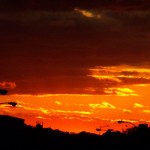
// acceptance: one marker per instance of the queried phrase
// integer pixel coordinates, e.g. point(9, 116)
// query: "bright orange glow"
point(122, 100)
point(75, 113)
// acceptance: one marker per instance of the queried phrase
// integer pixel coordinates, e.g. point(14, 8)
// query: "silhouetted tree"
point(21, 136)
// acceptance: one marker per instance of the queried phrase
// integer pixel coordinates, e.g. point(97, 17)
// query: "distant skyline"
point(76, 60)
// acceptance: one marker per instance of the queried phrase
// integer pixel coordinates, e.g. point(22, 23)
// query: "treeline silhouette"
point(15, 134)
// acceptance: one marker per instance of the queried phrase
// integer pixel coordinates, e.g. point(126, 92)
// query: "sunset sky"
point(76, 64)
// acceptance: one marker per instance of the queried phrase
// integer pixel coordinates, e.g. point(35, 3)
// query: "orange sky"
point(76, 65)
point(75, 113)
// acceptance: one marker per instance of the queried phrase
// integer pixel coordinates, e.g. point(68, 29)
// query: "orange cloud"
point(113, 77)
point(6, 84)
point(116, 73)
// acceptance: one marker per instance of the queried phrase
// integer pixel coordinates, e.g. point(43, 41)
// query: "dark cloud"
point(56, 5)
point(47, 51)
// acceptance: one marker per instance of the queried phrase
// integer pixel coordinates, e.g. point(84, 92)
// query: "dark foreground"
point(14, 134)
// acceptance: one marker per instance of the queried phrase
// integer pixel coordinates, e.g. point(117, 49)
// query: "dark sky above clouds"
point(49, 46)
point(70, 4)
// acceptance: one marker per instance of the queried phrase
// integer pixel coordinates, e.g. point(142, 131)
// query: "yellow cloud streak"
point(126, 110)
point(116, 72)
point(137, 105)
point(120, 68)
point(102, 105)
point(87, 13)
point(73, 112)
point(121, 91)
point(111, 77)
point(58, 103)
point(146, 111)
